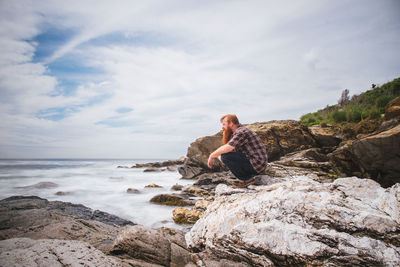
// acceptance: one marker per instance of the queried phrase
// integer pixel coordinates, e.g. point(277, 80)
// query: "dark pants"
point(239, 165)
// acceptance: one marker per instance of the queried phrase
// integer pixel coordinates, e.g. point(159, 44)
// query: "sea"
point(95, 183)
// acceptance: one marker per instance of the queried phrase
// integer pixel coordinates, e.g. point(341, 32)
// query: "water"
point(97, 184)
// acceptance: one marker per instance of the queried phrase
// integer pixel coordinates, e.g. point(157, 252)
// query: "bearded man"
point(242, 151)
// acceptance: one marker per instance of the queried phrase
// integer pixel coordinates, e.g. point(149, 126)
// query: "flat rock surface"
point(349, 222)
point(47, 252)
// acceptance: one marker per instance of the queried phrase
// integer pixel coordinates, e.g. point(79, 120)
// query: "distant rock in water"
point(172, 200)
point(153, 186)
point(167, 163)
point(62, 193)
point(41, 185)
point(176, 187)
point(132, 191)
point(117, 178)
point(154, 170)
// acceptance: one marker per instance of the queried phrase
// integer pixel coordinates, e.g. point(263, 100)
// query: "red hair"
point(227, 134)
point(230, 118)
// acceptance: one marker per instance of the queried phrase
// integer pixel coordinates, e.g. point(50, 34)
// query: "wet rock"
point(162, 246)
point(176, 187)
point(189, 172)
point(41, 185)
point(300, 221)
point(172, 200)
point(153, 186)
point(123, 167)
point(46, 252)
point(133, 191)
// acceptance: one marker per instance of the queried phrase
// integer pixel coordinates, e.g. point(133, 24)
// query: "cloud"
point(144, 79)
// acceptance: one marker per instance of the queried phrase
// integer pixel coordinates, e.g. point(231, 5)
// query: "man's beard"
point(227, 135)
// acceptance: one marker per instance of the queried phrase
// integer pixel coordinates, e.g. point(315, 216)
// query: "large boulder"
point(375, 156)
point(47, 252)
point(173, 200)
point(379, 156)
point(393, 109)
point(279, 138)
point(350, 222)
point(325, 136)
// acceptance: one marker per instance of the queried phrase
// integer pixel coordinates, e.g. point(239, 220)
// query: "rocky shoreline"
point(330, 197)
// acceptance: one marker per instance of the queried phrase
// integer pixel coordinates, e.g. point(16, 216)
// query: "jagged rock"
point(393, 109)
point(375, 156)
point(189, 172)
point(47, 252)
point(133, 191)
point(41, 185)
point(325, 136)
point(201, 205)
point(186, 216)
point(153, 186)
point(379, 156)
point(172, 200)
point(350, 222)
point(162, 246)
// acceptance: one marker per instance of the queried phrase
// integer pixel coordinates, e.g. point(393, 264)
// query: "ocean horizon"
point(97, 183)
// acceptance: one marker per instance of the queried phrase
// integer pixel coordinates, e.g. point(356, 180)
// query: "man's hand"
point(210, 161)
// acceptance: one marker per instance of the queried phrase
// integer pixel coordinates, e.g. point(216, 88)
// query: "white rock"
point(350, 221)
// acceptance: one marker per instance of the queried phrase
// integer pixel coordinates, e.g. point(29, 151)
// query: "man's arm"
point(221, 150)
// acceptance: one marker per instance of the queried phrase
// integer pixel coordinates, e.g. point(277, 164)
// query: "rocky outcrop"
point(47, 252)
point(350, 222)
point(279, 138)
point(190, 216)
point(393, 109)
point(39, 218)
point(375, 156)
point(325, 136)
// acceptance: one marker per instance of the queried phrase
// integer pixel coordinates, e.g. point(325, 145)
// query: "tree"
point(344, 99)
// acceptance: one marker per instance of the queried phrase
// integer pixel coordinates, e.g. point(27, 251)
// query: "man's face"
point(226, 125)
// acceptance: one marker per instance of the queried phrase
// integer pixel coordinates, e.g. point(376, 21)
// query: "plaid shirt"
point(248, 142)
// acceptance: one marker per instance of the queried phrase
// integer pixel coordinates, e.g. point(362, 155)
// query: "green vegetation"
point(369, 105)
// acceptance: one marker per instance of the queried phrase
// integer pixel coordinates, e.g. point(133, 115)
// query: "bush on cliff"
point(369, 105)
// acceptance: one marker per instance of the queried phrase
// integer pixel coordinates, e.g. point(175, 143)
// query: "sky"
point(145, 79)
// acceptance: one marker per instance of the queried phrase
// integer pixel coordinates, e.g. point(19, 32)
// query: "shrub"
point(339, 115)
point(374, 114)
point(382, 101)
point(354, 114)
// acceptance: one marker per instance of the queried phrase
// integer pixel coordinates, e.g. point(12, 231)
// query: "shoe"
point(245, 183)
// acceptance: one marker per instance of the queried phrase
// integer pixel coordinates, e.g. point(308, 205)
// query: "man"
point(242, 151)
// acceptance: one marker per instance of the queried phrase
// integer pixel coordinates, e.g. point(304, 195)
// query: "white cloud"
point(186, 64)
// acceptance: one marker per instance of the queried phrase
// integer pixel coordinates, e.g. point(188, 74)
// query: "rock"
point(186, 216)
point(393, 109)
point(312, 158)
point(39, 218)
point(279, 138)
point(153, 186)
point(132, 191)
point(162, 246)
point(375, 156)
point(325, 136)
point(62, 193)
point(41, 185)
point(117, 178)
point(172, 168)
point(201, 205)
point(154, 170)
point(302, 222)
point(46, 252)
point(123, 167)
point(379, 157)
point(167, 163)
point(177, 187)
point(172, 200)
